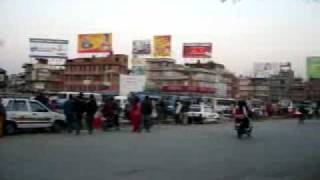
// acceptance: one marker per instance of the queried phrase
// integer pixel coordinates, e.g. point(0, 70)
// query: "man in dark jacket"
point(68, 108)
point(79, 109)
point(91, 109)
point(146, 110)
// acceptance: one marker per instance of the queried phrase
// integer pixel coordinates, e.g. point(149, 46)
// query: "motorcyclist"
point(241, 114)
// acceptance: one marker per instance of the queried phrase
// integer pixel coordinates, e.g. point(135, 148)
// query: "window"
point(36, 107)
point(17, 105)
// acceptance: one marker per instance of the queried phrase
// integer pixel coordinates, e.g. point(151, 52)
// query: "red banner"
point(181, 88)
point(197, 50)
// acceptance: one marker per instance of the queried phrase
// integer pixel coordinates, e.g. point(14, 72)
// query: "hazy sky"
point(242, 33)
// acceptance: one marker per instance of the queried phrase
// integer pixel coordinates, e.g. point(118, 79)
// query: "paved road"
point(279, 150)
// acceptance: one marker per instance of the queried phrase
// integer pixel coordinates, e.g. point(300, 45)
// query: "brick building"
point(96, 74)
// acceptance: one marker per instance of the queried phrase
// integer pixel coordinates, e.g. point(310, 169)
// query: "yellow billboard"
point(162, 46)
point(94, 43)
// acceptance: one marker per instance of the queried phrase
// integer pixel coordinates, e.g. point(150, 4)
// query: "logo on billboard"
point(197, 50)
point(313, 67)
point(162, 46)
point(141, 47)
point(94, 43)
point(47, 48)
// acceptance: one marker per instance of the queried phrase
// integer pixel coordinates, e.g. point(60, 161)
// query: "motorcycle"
point(241, 129)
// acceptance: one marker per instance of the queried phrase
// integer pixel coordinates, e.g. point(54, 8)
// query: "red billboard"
point(197, 50)
point(182, 88)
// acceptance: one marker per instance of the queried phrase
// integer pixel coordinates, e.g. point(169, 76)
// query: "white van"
point(224, 106)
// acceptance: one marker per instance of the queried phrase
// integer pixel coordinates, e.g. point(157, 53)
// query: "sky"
point(241, 33)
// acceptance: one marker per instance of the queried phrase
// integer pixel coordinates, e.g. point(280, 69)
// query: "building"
point(3, 78)
point(41, 76)
point(246, 88)
point(280, 85)
point(313, 89)
point(163, 75)
point(298, 90)
point(232, 84)
point(17, 83)
point(261, 88)
point(96, 74)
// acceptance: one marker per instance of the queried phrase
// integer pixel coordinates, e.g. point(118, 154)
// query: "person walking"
point(135, 115)
point(79, 109)
point(68, 108)
point(154, 113)
point(91, 109)
point(162, 110)
point(178, 112)
point(3, 117)
point(146, 110)
point(116, 113)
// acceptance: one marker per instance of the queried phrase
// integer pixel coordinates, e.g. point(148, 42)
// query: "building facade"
point(96, 74)
point(164, 75)
point(41, 76)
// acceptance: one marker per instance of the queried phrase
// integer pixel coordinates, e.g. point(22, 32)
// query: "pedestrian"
point(162, 110)
point(135, 115)
point(91, 109)
point(154, 113)
point(146, 110)
point(43, 99)
point(116, 113)
point(3, 118)
point(79, 109)
point(68, 108)
point(178, 111)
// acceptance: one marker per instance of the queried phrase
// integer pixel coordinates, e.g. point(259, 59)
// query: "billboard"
point(313, 67)
point(141, 47)
point(131, 83)
point(162, 46)
point(48, 48)
point(94, 43)
point(197, 50)
point(266, 69)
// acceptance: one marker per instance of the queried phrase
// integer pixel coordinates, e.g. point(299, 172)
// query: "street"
point(279, 149)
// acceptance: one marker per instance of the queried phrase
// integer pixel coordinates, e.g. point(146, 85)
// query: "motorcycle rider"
point(241, 114)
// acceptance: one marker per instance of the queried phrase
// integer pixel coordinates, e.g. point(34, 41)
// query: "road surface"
point(278, 150)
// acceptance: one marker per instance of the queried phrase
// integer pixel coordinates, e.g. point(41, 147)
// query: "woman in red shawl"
point(135, 115)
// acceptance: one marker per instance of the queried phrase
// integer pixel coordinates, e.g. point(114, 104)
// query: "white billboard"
point(266, 69)
point(131, 83)
point(48, 48)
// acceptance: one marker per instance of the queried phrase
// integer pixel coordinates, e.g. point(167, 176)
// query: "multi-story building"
point(246, 88)
point(3, 78)
point(42, 76)
point(280, 85)
point(261, 88)
point(298, 90)
point(96, 74)
point(232, 84)
point(313, 89)
point(166, 76)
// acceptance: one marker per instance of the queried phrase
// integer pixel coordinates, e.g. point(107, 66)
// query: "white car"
point(202, 114)
point(30, 114)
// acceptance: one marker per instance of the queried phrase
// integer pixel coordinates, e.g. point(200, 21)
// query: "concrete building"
point(313, 89)
point(164, 75)
point(246, 88)
point(298, 90)
point(261, 88)
point(3, 78)
point(280, 85)
point(42, 76)
point(232, 84)
point(96, 74)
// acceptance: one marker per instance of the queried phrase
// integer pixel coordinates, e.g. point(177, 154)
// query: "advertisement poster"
point(48, 48)
point(162, 46)
point(94, 43)
point(131, 83)
point(313, 67)
point(197, 50)
point(141, 47)
point(266, 69)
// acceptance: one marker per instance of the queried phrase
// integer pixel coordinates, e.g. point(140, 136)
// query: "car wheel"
point(10, 128)
point(57, 127)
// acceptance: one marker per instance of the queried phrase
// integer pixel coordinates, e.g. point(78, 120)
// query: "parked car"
point(29, 114)
point(201, 114)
